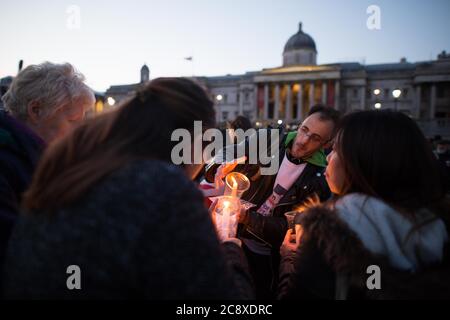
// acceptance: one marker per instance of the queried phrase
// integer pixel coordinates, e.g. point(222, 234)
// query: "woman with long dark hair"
point(385, 234)
point(108, 216)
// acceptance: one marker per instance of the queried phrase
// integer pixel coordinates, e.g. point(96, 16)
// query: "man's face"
point(312, 135)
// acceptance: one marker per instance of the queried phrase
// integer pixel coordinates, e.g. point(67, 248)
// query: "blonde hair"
point(52, 85)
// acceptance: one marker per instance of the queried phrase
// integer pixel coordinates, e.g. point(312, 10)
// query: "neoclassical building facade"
point(286, 93)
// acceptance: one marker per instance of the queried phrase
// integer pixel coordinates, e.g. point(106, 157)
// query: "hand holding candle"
point(225, 217)
point(226, 211)
point(224, 169)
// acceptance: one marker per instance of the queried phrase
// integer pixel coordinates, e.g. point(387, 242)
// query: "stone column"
point(363, 98)
point(433, 101)
point(218, 107)
point(324, 93)
point(255, 103)
point(266, 101)
point(277, 102)
point(299, 103)
point(336, 94)
point(288, 110)
point(417, 101)
point(241, 102)
point(311, 95)
point(219, 113)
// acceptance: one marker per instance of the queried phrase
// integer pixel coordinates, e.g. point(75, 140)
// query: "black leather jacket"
point(271, 230)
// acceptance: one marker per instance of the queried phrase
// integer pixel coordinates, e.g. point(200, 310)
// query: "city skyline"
point(114, 40)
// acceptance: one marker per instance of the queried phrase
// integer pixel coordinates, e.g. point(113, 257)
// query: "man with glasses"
point(299, 178)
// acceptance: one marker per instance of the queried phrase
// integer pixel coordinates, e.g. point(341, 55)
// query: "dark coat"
point(141, 232)
point(20, 150)
point(272, 229)
point(332, 260)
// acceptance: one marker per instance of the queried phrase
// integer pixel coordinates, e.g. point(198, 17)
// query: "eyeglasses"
point(314, 137)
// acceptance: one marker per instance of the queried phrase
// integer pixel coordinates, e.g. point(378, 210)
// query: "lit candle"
point(226, 214)
point(235, 186)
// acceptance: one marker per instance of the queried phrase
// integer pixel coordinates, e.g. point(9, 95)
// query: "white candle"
point(234, 187)
point(226, 218)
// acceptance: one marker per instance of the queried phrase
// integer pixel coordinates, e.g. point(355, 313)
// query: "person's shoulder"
point(360, 202)
point(146, 177)
point(143, 171)
point(139, 186)
point(151, 167)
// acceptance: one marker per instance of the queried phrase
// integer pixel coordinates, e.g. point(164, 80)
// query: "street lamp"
point(111, 101)
point(219, 99)
point(396, 93)
point(377, 105)
point(376, 92)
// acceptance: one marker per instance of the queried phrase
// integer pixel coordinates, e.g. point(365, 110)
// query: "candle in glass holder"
point(234, 187)
point(236, 184)
point(225, 216)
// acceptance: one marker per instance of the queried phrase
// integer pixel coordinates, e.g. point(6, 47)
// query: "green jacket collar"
point(318, 158)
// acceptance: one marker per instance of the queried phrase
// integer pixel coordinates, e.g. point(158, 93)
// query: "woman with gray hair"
point(49, 98)
point(43, 103)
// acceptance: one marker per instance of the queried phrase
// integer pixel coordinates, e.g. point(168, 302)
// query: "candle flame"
point(235, 183)
point(235, 186)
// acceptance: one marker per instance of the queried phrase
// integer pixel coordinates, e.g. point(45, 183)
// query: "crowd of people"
point(103, 194)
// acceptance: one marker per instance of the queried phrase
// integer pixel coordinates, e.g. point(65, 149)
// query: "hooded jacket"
point(341, 242)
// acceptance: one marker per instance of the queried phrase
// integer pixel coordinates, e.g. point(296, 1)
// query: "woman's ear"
point(34, 111)
point(328, 144)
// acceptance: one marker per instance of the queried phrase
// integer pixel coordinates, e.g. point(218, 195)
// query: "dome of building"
point(300, 40)
point(300, 49)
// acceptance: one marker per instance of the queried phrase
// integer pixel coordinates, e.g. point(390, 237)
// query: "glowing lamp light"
point(376, 92)
point(219, 97)
point(397, 93)
point(111, 101)
point(280, 122)
point(377, 105)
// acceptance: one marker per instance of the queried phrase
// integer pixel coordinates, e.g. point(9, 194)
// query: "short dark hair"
point(326, 114)
point(241, 122)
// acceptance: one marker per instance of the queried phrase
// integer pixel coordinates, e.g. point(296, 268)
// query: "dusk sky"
point(115, 38)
